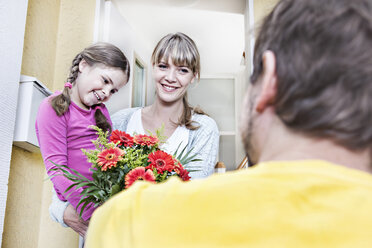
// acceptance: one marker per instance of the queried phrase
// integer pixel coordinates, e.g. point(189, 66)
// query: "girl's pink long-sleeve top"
point(61, 139)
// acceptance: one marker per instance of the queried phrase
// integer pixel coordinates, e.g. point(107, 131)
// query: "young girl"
point(63, 119)
point(176, 65)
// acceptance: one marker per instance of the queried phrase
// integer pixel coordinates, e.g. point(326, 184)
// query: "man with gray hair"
point(306, 128)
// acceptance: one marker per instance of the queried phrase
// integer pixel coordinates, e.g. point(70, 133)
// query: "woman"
point(176, 65)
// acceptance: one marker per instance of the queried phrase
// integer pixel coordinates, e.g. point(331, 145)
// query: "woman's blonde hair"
point(100, 53)
point(183, 52)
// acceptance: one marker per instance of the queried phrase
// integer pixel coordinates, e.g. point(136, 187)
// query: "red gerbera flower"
point(109, 157)
point(145, 140)
point(182, 173)
point(123, 138)
point(161, 161)
point(139, 173)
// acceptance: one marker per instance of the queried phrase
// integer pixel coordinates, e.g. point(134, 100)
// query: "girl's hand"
point(71, 218)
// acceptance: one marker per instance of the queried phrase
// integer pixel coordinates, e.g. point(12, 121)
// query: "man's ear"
point(269, 82)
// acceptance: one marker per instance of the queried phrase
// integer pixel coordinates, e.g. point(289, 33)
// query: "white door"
point(220, 98)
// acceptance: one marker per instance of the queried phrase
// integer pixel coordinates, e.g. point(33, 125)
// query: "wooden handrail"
point(243, 164)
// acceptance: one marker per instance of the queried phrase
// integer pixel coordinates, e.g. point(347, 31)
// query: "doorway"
point(139, 89)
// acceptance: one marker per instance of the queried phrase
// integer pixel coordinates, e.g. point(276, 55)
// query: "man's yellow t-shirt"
point(274, 204)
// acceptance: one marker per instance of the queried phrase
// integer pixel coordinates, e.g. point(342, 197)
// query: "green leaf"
point(115, 189)
point(186, 158)
point(82, 208)
point(181, 153)
point(71, 186)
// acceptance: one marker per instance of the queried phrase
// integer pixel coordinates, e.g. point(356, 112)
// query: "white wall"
point(12, 28)
point(117, 31)
point(249, 35)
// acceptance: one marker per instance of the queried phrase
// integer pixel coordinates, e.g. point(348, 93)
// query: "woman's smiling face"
point(171, 81)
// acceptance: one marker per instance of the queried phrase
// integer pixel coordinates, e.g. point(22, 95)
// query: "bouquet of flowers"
point(119, 162)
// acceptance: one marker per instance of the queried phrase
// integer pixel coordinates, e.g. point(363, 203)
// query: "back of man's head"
point(324, 67)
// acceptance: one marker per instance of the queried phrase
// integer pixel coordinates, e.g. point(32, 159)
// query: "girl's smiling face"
point(171, 81)
point(96, 84)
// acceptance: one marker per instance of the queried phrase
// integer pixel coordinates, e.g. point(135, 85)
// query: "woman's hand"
point(71, 218)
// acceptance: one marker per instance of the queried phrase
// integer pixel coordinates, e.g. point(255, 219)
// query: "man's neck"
point(283, 144)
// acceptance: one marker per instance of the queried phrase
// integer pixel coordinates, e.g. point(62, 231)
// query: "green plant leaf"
point(115, 189)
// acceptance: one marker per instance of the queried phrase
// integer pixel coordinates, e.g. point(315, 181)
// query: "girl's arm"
point(204, 142)
point(51, 131)
point(65, 214)
point(57, 209)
